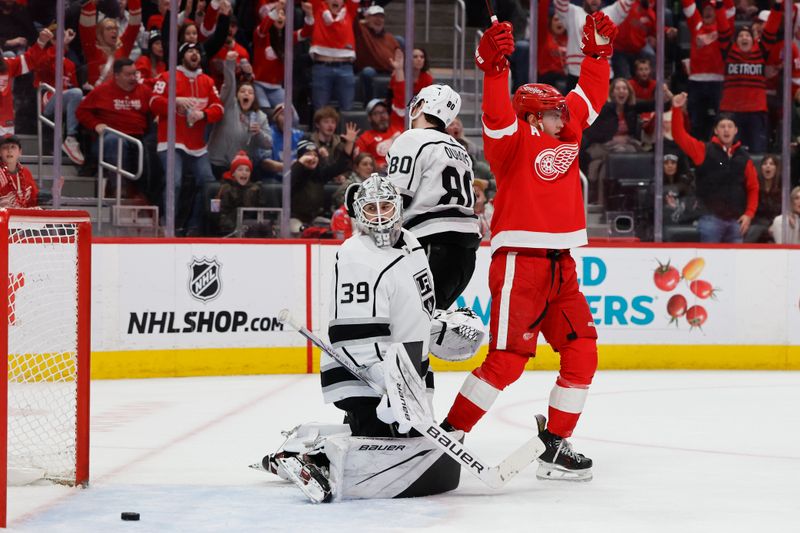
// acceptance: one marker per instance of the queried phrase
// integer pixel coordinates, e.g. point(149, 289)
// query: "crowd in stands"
point(726, 55)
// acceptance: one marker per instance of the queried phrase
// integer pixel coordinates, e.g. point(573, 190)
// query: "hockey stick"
point(493, 476)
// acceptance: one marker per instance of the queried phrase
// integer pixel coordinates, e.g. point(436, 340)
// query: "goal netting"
point(46, 335)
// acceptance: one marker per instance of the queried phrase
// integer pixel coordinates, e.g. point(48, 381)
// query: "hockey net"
point(46, 339)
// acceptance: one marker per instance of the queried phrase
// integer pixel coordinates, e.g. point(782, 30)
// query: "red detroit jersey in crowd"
point(539, 202)
point(200, 88)
point(122, 110)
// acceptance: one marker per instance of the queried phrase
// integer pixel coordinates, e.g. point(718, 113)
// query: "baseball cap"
point(376, 102)
point(10, 139)
point(374, 10)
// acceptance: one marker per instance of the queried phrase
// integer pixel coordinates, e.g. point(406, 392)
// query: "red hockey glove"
point(598, 35)
point(496, 43)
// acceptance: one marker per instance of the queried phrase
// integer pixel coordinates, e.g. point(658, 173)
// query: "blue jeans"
point(331, 81)
point(71, 98)
point(714, 229)
point(269, 96)
point(110, 152)
point(367, 77)
point(201, 169)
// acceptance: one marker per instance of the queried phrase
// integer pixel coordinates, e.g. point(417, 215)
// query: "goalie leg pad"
point(362, 467)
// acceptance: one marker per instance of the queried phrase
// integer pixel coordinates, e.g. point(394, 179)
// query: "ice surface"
point(673, 451)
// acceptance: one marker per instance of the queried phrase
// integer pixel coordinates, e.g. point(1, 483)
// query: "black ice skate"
point(559, 461)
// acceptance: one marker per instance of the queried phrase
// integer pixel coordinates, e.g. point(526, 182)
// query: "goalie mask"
point(378, 210)
point(456, 335)
point(440, 101)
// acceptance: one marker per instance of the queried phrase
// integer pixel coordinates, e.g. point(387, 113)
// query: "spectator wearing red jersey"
point(726, 179)
point(12, 67)
point(44, 72)
point(774, 65)
point(706, 68)
point(377, 140)
point(333, 52)
point(122, 104)
point(744, 91)
point(17, 187)
point(551, 47)
point(637, 38)
point(268, 53)
point(375, 48)
point(101, 42)
point(151, 64)
point(198, 105)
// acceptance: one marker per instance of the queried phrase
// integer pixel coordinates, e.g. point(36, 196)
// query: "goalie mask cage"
point(45, 261)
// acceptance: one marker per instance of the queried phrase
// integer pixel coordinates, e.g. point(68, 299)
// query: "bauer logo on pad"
point(204, 280)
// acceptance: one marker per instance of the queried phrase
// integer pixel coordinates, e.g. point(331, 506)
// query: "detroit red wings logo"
point(554, 162)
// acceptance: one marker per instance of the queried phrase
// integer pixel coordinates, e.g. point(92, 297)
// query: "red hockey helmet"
point(538, 98)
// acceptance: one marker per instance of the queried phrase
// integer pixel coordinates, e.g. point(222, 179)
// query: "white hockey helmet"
point(372, 214)
point(456, 335)
point(440, 101)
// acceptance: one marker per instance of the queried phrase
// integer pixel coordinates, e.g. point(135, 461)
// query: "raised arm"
point(618, 11)
point(696, 150)
point(590, 94)
point(132, 30)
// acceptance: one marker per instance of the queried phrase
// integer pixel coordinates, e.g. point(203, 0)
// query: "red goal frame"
point(84, 252)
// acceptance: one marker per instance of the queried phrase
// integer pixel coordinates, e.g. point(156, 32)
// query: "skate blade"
point(307, 478)
point(554, 473)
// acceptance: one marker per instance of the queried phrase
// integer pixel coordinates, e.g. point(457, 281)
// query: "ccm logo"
point(455, 447)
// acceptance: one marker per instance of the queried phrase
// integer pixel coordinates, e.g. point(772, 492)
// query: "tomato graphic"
point(696, 316)
point(702, 289)
point(693, 268)
point(676, 308)
point(666, 277)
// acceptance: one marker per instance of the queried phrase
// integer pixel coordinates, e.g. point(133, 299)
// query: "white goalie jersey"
point(380, 296)
point(433, 173)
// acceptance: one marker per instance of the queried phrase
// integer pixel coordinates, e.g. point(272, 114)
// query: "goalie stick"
point(493, 476)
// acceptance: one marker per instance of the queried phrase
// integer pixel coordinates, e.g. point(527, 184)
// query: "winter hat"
point(239, 160)
point(154, 36)
point(305, 146)
point(185, 47)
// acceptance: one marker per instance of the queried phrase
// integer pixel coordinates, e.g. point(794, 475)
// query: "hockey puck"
point(130, 516)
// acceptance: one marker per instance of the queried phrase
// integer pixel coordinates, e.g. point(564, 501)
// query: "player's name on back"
point(459, 155)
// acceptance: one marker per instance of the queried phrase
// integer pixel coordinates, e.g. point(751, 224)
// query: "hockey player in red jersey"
point(532, 144)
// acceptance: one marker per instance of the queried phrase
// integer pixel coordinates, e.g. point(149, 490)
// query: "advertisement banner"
point(213, 307)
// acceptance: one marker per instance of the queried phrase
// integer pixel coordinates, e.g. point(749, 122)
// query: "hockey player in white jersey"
point(433, 173)
point(381, 306)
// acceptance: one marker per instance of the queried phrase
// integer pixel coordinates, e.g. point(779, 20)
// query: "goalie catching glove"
point(599, 33)
point(456, 335)
point(497, 43)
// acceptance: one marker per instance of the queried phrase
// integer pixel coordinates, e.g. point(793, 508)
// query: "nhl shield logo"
point(204, 280)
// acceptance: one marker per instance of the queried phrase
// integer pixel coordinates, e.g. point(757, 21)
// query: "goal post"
point(45, 265)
